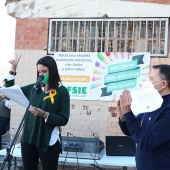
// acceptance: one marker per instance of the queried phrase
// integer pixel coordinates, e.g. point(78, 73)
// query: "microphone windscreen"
point(41, 77)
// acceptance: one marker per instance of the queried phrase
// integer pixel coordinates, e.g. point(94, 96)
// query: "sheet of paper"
point(15, 94)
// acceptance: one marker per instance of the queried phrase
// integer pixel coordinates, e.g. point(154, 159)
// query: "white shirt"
point(8, 104)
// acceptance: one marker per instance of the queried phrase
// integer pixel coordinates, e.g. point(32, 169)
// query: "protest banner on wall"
point(102, 75)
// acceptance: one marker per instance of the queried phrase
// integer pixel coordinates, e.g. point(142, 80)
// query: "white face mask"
point(148, 84)
point(156, 84)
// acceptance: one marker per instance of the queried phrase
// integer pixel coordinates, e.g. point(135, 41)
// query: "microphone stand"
point(8, 156)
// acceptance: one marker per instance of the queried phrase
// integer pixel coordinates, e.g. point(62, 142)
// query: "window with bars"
point(109, 35)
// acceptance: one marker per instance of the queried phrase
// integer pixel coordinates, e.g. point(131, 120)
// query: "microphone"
point(40, 78)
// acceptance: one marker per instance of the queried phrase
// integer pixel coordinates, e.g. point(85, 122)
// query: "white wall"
point(85, 9)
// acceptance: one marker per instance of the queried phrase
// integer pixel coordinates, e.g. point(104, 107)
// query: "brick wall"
point(31, 33)
point(96, 119)
point(31, 37)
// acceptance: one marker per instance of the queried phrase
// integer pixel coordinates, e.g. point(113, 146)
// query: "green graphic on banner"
point(124, 75)
point(122, 66)
point(121, 85)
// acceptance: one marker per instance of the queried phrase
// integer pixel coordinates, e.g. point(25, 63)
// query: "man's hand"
point(2, 95)
point(125, 101)
point(14, 62)
point(119, 111)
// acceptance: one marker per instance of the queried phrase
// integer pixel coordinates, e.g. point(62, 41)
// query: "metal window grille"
point(109, 35)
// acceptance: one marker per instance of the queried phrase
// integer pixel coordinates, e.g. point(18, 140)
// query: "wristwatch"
point(12, 72)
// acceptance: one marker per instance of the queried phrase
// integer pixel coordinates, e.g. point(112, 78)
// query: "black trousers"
point(3, 125)
point(31, 155)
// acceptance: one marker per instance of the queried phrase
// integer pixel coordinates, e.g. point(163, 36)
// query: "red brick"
point(31, 33)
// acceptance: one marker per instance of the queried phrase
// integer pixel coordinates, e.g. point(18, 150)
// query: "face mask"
point(158, 83)
point(147, 84)
point(46, 79)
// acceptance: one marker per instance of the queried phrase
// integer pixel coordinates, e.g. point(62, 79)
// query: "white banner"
point(102, 76)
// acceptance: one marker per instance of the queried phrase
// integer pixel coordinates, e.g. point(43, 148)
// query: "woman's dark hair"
point(54, 77)
point(164, 71)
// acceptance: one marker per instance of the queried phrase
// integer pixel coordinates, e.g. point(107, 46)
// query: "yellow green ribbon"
point(53, 92)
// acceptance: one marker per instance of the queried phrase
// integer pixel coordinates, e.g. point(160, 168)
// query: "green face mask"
point(46, 78)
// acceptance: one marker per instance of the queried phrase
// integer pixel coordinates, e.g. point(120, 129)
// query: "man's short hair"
point(164, 71)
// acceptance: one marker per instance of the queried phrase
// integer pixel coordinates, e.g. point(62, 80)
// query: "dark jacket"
point(151, 132)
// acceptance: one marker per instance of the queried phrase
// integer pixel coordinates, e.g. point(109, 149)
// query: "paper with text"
point(15, 94)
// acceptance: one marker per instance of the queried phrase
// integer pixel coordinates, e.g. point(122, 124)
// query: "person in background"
point(49, 110)
point(150, 131)
point(5, 110)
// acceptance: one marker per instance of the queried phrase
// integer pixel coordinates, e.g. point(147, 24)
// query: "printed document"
point(15, 93)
